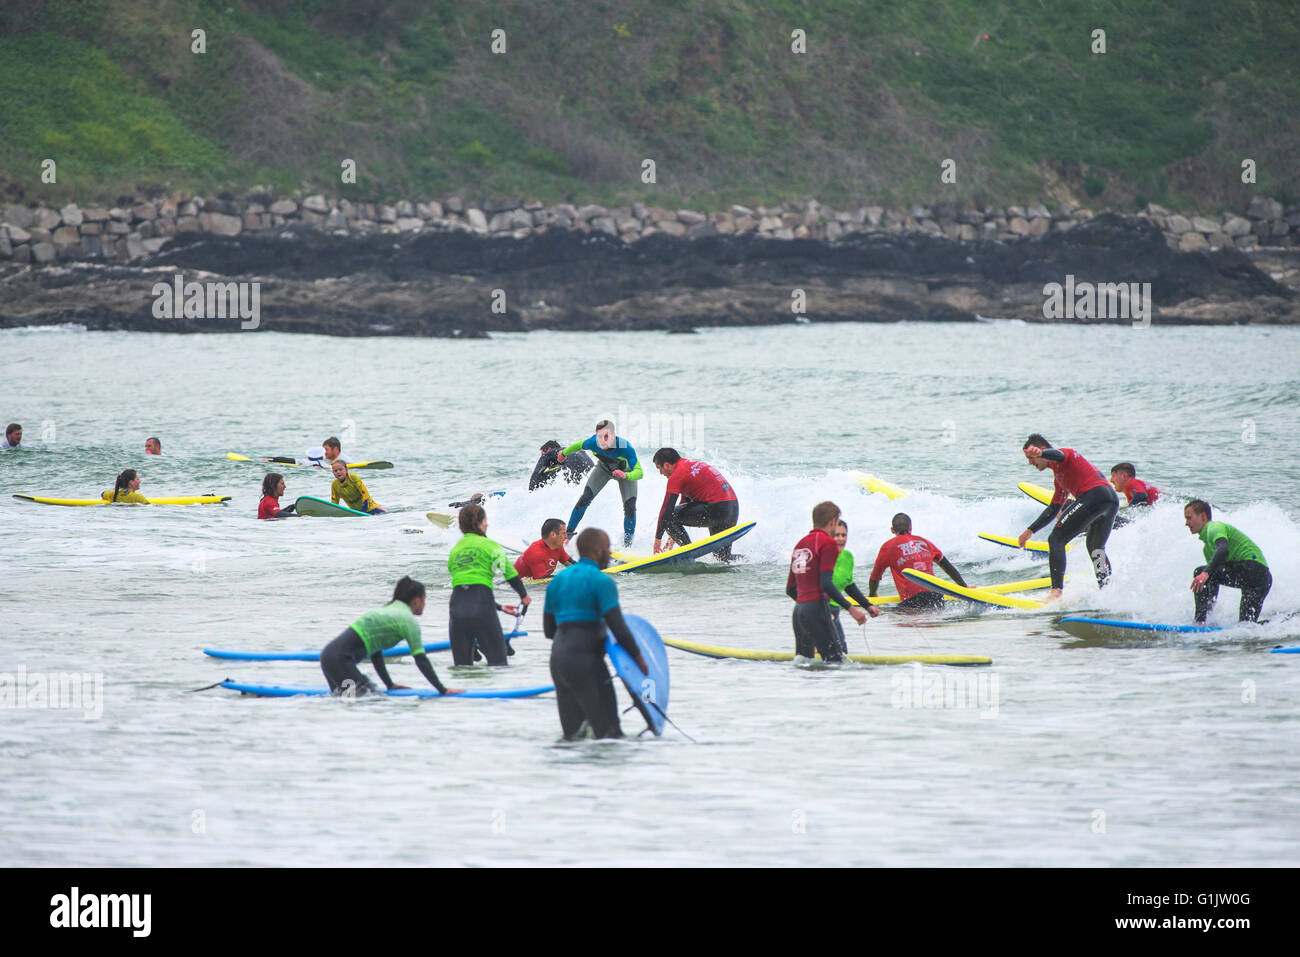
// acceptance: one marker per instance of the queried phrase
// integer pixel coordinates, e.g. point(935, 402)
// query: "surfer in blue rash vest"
point(615, 459)
point(580, 602)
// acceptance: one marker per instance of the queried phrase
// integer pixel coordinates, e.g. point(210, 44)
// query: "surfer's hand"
point(619, 474)
point(858, 615)
point(510, 609)
point(1033, 451)
point(559, 457)
point(658, 547)
point(640, 663)
point(525, 601)
point(1199, 581)
point(399, 687)
point(873, 611)
point(1025, 536)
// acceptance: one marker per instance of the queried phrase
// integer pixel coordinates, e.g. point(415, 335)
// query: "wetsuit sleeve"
point(790, 588)
point(830, 591)
point(614, 619)
point(1140, 498)
point(670, 502)
point(426, 669)
point(542, 474)
point(1047, 514)
point(635, 473)
point(1054, 455)
point(517, 583)
point(377, 660)
point(1220, 556)
point(575, 447)
point(854, 592)
point(548, 625)
point(951, 572)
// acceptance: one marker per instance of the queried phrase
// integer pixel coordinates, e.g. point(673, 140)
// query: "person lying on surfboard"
point(548, 468)
point(811, 581)
point(353, 491)
point(1094, 509)
point(546, 555)
point(269, 507)
point(473, 563)
point(581, 602)
point(332, 449)
point(708, 500)
point(906, 550)
point(615, 459)
point(1135, 491)
point(1233, 560)
point(843, 579)
point(371, 635)
point(126, 489)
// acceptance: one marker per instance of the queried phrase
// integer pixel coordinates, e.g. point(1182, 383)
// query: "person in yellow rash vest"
point(126, 489)
point(352, 490)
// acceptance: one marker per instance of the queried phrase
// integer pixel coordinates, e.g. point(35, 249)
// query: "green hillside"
point(586, 90)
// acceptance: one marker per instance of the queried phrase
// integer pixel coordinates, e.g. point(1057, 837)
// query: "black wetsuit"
point(715, 516)
point(1253, 578)
point(473, 615)
point(339, 661)
point(572, 469)
point(1095, 511)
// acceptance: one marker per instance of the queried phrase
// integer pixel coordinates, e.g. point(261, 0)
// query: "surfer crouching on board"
point(372, 634)
point(708, 500)
point(811, 581)
point(1094, 509)
point(615, 459)
point(548, 467)
point(269, 507)
point(473, 563)
point(843, 579)
point(352, 490)
point(906, 550)
point(1234, 560)
point(1135, 491)
point(580, 602)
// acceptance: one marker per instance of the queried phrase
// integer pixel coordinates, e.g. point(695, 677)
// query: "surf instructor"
point(1233, 560)
point(473, 563)
point(580, 602)
point(1094, 510)
point(615, 459)
point(708, 500)
point(811, 581)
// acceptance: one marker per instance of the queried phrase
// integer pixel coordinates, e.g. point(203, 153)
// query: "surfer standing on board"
point(708, 500)
point(906, 550)
point(615, 459)
point(1234, 560)
point(811, 581)
point(1094, 509)
point(580, 602)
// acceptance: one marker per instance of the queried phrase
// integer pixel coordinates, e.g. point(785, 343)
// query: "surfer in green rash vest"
point(352, 490)
point(473, 563)
point(842, 576)
point(1232, 560)
point(616, 459)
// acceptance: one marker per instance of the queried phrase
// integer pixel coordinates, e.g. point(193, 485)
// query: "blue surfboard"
point(291, 691)
point(313, 654)
point(1286, 651)
point(649, 691)
point(1092, 627)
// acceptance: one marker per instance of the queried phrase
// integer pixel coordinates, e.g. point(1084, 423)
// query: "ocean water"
point(1168, 751)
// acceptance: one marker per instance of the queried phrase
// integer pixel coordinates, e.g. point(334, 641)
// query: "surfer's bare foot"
point(1054, 595)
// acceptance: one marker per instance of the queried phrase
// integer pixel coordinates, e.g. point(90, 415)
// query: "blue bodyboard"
point(649, 691)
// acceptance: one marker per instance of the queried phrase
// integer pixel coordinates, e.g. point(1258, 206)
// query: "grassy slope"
point(710, 90)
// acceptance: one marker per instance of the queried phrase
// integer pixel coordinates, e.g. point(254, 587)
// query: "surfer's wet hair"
point(470, 518)
point(825, 513)
point(408, 589)
point(11, 428)
point(1200, 508)
point(551, 525)
point(270, 482)
point(591, 541)
point(331, 443)
point(123, 483)
point(1125, 467)
point(667, 456)
point(605, 424)
point(902, 524)
point(1036, 439)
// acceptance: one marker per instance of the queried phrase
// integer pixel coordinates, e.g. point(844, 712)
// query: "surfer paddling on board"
point(843, 579)
point(1234, 560)
point(1094, 509)
point(615, 459)
point(352, 490)
point(126, 489)
point(708, 501)
point(473, 563)
point(811, 581)
point(546, 555)
point(906, 550)
point(269, 507)
point(548, 467)
point(581, 602)
point(371, 635)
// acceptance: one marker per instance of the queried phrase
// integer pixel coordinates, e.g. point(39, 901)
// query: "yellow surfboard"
point(872, 484)
point(1012, 542)
point(682, 553)
point(981, 595)
point(1029, 584)
point(160, 500)
point(1036, 492)
point(717, 651)
point(236, 457)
